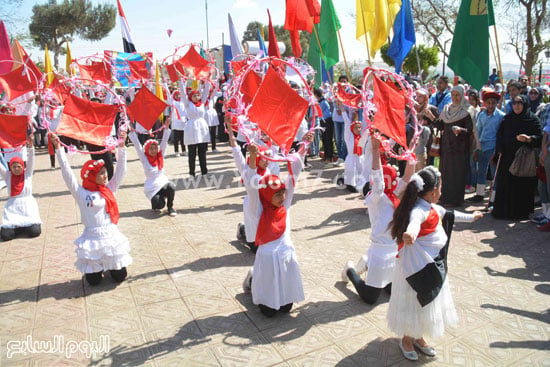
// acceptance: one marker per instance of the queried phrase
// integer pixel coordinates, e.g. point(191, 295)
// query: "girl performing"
point(421, 303)
point(381, 202)
point(21, 216)
point(275, 279)
point(157, 188)
point(101, 246)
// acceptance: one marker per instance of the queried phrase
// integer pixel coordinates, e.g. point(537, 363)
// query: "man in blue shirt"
point(514, 89)
point(442, 97)
point(327, 124)
point(487, 124)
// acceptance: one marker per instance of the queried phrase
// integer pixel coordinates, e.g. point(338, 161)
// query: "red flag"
point(96, 71)
point(273, 49)
point(250, 86)
point(238, 66)
point(13, 130)
point(195, 65)
point(17, 82)
point(390, 114)
point(60, 90)
point(349, 99)
point(172, 72)
point(19, 54)
point(278, 110)
point(146, 108)
point(300, 16)
point(87, 121)
point(139, 70)
point(5, 49)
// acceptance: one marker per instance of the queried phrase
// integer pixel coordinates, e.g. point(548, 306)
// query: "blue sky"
point(149, 20)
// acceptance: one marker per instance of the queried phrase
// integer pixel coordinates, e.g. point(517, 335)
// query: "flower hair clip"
point(418, 181)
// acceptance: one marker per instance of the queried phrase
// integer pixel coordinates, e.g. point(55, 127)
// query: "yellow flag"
point(365, 17)
point(68, 60)
point(158, 88)
point(385, 12)
point(195, 84)
point(48, 68)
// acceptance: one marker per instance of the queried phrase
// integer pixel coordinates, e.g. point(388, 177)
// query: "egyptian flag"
point(126, 37)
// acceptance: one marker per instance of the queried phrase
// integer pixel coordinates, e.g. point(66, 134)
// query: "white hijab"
point(455, 112)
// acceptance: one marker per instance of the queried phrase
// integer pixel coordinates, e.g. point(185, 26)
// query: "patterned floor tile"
point(252, 350)
point(329, 356)
point(294, 339)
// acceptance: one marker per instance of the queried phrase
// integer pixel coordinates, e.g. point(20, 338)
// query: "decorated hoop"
point(175, 56)
point(369, 110)
point(260, 65)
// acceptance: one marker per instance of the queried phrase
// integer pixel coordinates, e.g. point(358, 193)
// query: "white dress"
point(155, 179)
point(354, 163)
point(405, 314)
point(21, 210)
point(382, 250)
point(212, 116)
point(196, 129)
point(101, 246)
point(276, 279)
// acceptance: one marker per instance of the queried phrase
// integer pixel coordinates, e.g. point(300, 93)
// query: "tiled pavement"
point(183, 305)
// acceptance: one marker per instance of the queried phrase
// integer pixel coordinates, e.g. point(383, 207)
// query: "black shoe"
point(94, 278)
point(172, 212)
point(119, 275)
point(475, 199)
point(241, 235)
point(252, 246)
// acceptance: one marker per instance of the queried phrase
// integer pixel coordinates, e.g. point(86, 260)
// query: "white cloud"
point(242, 4)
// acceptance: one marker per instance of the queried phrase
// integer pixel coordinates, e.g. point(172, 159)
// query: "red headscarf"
point(191, 94)
point(17, 182)
point(272, 223)
point(156, 160)
point(88, 173)
point(390, 184)
point(357, 149)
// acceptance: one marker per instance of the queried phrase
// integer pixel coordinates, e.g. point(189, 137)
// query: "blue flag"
point(404, 36)
point(261, 42)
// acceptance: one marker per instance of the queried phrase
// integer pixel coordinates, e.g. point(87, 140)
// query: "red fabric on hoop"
point(349, 99)
point(390, 114)
point(17, 82)
point(300, 16)
point(238, 66)
point(249, 86)
point(60, 90)
point(278, 110)
point(87, 121)
point(196, 66)
point(96, 71)
point(139, 69)
point(13, 130)
point(146, 108)
point(172, 72)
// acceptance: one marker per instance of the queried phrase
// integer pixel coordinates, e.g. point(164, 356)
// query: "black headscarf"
point(533, 105)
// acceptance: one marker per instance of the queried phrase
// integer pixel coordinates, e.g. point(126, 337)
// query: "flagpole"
point(322, 55)
point(344, 54)
point(365, 29)
point(498, 54)
point(207, 36)
point(494, 53)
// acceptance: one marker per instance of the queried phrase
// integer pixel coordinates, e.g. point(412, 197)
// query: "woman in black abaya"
point(515, 196)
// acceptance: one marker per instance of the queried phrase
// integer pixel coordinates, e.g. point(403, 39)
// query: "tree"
point(435, 20)
point(54, 24)
point(429, 56)
point(282, 36)
point(528, 33)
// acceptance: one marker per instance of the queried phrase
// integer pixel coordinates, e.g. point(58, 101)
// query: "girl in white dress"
point(158, 189)
point(421, 303)
point(197, 132)
point(379, 261)
point(101, 246)
point(21, 217)
point(275, 280)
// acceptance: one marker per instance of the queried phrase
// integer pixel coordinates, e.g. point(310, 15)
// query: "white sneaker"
point(247, 283)
point(361, 266)
point(469, 189)
point(349, 265)
point(339, 162)
point(178, 154)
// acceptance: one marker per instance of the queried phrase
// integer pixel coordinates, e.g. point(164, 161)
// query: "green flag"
point(327, 30)
point(328, 33)
point(469, 55)
point(314, 58)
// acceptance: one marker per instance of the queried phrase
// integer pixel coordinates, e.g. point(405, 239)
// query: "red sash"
point(427, 227)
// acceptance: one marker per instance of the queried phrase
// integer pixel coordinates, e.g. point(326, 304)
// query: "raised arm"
point(165, 137)
point(30, 157)
point(137, 145)
point(66, 172)
point(120, 171)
